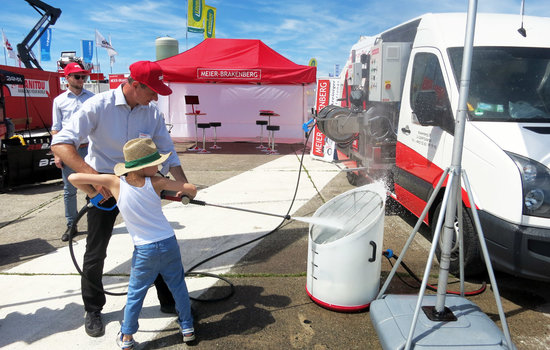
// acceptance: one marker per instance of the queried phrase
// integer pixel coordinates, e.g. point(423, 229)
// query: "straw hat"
point(139, 154)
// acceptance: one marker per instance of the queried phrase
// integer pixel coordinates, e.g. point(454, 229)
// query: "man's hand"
point(69, 156)
point(58, 162)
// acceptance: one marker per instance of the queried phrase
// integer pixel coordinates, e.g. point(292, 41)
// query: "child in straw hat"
point(137, 192)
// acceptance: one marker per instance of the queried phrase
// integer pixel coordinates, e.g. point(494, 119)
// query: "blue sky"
point(299, 30)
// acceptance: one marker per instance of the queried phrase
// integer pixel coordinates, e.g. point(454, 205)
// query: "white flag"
point(8, 47)
point(101, 41)
point(111, 57)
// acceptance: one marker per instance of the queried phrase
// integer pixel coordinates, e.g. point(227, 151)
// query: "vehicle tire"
point(473, 260)
point(356, 179)
point(352, 178)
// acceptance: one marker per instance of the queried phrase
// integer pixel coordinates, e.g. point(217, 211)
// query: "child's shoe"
point(188, 335)
point(124, 344)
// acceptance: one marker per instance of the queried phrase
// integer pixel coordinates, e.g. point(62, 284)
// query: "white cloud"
point(297, 29)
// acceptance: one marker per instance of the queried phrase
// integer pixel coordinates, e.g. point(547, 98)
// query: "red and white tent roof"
point(235, 61)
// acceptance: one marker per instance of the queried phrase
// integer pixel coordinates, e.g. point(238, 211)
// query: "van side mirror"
point(424, 107)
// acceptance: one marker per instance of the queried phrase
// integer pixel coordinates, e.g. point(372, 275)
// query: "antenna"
point(522, 30)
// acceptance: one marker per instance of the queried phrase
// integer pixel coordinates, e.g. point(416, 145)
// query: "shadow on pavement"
point(14, 327)
point(246, 312)
point(23, 251)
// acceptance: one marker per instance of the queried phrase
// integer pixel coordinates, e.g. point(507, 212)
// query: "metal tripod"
point(453, 183)
point(452, 207)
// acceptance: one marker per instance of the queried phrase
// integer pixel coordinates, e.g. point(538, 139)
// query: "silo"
point(166, 47)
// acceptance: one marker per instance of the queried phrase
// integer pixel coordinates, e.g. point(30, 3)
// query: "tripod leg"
point(460, 238)
point(487, 261)
point(435, 240)
point(413, 233)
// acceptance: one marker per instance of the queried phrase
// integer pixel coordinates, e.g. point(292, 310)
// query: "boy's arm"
point(182, 188)
point(86, 182)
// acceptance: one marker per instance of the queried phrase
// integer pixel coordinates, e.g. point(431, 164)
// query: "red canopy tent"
point(235, 79)
point(235, 61)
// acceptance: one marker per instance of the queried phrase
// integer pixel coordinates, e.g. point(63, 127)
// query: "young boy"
point(137, 192)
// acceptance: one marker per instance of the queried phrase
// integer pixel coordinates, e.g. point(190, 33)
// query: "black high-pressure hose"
point(190, 272)
point(287, 215)
point(389, 254)
point(81, 213)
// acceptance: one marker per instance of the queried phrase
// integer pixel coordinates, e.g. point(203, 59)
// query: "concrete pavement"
point(41, 305)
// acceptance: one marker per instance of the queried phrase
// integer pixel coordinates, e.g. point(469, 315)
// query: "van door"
point(425, 120)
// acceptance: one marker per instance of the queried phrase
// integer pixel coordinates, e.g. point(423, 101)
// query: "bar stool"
point(193, 100)
point(215, 125)
point(272, 128)
point(261, 123)
point(203, 126)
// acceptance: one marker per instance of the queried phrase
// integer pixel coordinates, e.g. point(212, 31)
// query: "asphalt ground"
point(269, 308)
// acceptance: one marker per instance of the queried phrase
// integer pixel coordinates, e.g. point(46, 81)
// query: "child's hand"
point(189, 190)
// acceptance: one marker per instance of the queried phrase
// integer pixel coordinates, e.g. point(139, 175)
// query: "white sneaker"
point(124, 344)
point(188, 335)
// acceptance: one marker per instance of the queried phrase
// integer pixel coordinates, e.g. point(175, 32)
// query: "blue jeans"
point(148, 261)
point(69, 191)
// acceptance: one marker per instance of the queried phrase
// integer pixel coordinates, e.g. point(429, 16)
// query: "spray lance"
point(171, 195)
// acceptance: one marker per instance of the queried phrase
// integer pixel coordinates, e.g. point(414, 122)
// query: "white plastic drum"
point(343, 271)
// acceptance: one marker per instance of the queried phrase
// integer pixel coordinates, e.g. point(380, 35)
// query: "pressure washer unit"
point(344, 265)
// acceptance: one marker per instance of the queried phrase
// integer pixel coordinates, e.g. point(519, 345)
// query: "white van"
point(403, 96)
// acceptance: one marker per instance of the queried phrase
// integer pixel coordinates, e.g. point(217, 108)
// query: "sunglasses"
point(78, 77)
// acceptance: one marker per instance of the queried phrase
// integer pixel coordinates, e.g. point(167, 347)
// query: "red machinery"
point(26, 117)
point(28, 97)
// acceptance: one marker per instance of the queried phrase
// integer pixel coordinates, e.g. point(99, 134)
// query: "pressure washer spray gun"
point(171, 195)
point(96, 202)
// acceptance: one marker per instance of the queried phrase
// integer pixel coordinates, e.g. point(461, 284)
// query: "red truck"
point(25, 121)
point(26, 100)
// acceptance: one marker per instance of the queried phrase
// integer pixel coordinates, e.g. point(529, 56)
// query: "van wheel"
point(356, 179)
point(473, 261)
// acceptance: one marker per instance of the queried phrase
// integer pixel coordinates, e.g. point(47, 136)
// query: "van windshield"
point(507, 83)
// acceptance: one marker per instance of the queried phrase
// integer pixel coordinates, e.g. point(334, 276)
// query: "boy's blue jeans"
point(147, 262)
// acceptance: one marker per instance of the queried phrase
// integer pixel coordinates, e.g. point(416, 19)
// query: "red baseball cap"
point(150, 74)
point(73, 68)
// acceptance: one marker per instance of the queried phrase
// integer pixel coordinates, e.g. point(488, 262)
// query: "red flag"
point(7, 45)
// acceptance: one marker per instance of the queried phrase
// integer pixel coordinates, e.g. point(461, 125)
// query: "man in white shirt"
point(64, 106)
point(110, 119)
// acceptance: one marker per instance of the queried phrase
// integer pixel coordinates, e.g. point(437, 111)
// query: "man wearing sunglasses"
point(64, 106)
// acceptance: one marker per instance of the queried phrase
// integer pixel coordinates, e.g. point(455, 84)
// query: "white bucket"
point(343, 270)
